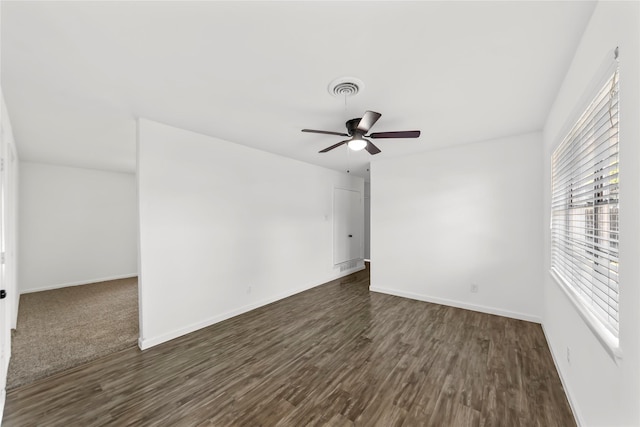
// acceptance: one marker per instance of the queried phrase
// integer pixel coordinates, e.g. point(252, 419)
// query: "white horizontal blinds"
point(584, 232)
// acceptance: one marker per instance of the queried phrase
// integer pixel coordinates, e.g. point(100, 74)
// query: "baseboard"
point(458, 304)
point(565, 385)
point(146, 343)
point(82, 282)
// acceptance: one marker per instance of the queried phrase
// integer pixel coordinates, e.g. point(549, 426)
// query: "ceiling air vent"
point(345, 86)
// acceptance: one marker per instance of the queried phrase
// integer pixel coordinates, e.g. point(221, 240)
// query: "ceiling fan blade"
point(398, 134)
point(326, 132)
point(372, 149)
point(368, 120)
point(334, 146)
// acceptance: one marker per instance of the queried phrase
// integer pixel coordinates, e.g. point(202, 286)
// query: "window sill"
point(608, 341)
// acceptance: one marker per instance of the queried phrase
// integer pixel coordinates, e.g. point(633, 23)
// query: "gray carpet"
point(64, 328)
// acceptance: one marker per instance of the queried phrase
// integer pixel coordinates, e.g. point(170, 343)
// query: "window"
point(584, 227)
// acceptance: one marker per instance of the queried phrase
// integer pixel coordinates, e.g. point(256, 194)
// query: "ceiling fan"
point(357, 129)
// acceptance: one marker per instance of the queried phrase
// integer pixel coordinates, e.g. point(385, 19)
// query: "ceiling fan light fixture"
point(357, 144)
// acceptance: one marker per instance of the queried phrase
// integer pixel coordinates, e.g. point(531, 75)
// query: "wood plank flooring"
point(336, 355)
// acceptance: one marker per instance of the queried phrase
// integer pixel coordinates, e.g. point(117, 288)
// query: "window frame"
point(606, 334)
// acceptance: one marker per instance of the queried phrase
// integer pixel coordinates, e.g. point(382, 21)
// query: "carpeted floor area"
point(63, 328)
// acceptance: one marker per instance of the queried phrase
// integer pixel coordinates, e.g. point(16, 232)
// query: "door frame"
point(8, 244)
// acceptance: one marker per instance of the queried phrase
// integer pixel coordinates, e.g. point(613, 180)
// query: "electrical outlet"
point(474, 288)
point(568, 355)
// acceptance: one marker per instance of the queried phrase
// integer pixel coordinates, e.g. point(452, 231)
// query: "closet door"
point(348, 225)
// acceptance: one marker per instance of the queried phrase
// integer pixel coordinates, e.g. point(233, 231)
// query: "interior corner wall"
point(446, 219)
point(225, 228)
point(602, 392)
point(76, 226)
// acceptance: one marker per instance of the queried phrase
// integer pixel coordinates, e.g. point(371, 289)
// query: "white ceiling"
point(77, 74)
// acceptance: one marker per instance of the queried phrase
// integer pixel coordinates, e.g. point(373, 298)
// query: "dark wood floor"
point(336, 355)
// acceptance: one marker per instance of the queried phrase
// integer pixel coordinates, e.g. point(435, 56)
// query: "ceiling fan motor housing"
point(352, 126)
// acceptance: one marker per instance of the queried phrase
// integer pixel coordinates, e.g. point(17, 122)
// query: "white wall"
point(225, 229)
point(442, 220)
point(76, 226)
point(602, 392)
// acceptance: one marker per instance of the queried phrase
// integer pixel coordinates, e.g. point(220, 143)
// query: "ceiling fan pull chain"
point(345, 105)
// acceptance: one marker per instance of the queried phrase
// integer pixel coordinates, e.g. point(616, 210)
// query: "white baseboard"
point(82, 282)
point(565, 385)
point(145, 343)
point(458, 304)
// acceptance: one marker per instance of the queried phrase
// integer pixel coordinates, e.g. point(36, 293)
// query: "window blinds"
point(584, 204)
